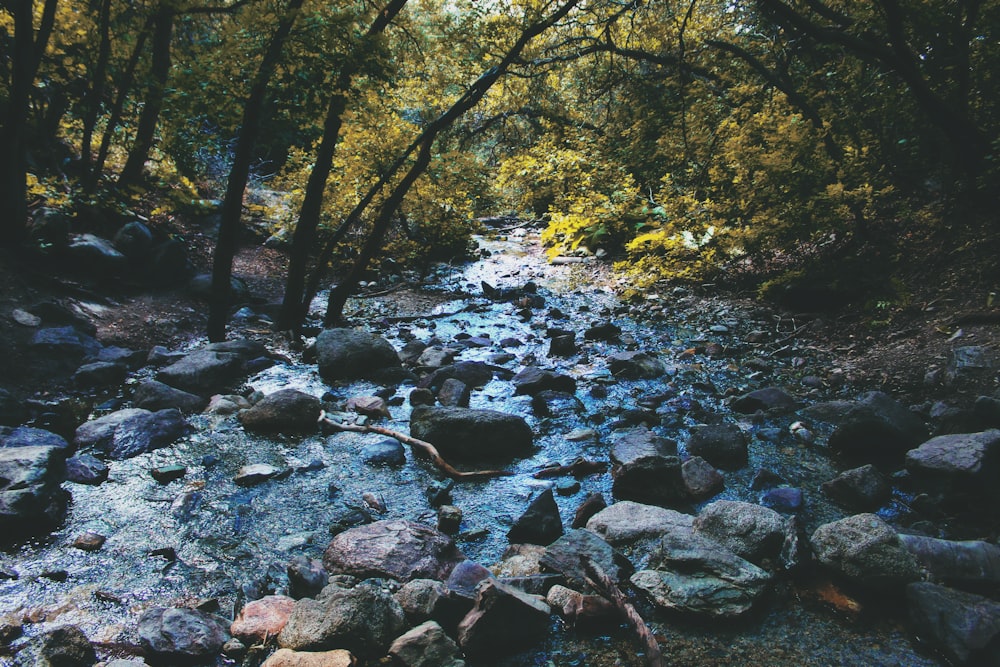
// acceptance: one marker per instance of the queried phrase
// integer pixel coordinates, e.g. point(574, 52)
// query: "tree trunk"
point(96, 93)
point(146, 131)
point(232, 205)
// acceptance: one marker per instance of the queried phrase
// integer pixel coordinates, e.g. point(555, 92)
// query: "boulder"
point(722, 445)
point(385, 452)
point(99, 374)
point(472, 373)
point(877, 428)
point(57, 350)
point(584, 612)
point(201, 287)
point(636, 366)
point(964, 626)
point(699, 576)
point(863, 489)
point(349, 354)
point(502, 621)
point(182, 636)
point(306, 577)
point(427, 599)
point(566, 554)
point(866, 549)
point(32, 499)
point(701, 479)
point(958, 462)
point(28, 436)
point(550, 403)
point(392, 549)
point(262, 619)
point(969, 562)
point(203, 372)
point(284, 411)
point(588, 507)
point(134, 240)
point(435, 357)
point(454, 393)
point(645, 468)
point(94, 255)
point(533, 380)
point(767, 399)
point(66, 646)
point(787, 499)
point(122, 436)
point(153, 395)
point(750, 531)
point(540, 523)
point(86, 469)
point(97, 433)
point(364, 620)
point(168, 263)
point(469, 434)
point(284, 657)
point(426, 645)
point(627, 522)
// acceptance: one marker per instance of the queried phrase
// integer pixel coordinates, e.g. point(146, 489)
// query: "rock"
point(168, 263)
point(533, 380)
point(701, 479)
point(627, 522)
point(212, 368)
point(364, 620)
point(472, 373)
point(877, 428)
point(349, 354)
point(284, 411)
point(766, 399)
point(421, 396)
point(454, 393)
point(449, 519)
point(465, 577)
point(201, 287)
point(635, 366)
point(134, 240)
point(645, 468)
point(467, 434)
point(697, 575)
point(540, 523)
point(57, 350)
point(549, 403)
point(969, 363)
point(50, 227)
point(385, 452)
point(392, 549)
point(750, 531)
point(284, 657)
point(862, 489)
point(787, 499)
point(563, 345)
point(426, 599)
point(182, 636)
point(959, 462)
point(94, 255)
point(605, 331)
point(866, 549)
point(66, 646)
point(584, 612)
point(306, 577)
point(373, 407)
point(32, 500)
point(86, 469)
point(228, 404)
point(502, 621)
point(435, 357)
point(27, 436)
point(970, 562)
point(136, 432)
point(426, 645)
point(722, 445)
point(99, 374)
point(259, 620)
point(591, 505)
point(153, 395)
point(12, 411)
point(255, 473)
point(963, 625)
point(167, 474)
point(565, 554)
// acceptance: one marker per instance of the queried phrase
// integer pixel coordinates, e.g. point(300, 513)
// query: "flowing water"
point(203, 538)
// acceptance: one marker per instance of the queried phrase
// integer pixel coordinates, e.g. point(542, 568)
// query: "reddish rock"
point(262, 618)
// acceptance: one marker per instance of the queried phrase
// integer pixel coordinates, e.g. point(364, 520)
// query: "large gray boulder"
point(97, 433)
point(392, 549)
point(863, 489)
point(154, 395)
point(349, 354)
point(955, 562)
point(645, 468)
point(963, 625)
point(567, 554)
point(722, 445)
point(876, 428)
point(958, 462)
point(699, 576)
point(127, 433)
point(28, 436)
point(179, 636)
point(627, 522)
point(364, 620)
point(866, 549)
point(284, 411)
point(750, 531)
point(203, 372)
point(502, 621)
point(32, 499)
point(470, 434)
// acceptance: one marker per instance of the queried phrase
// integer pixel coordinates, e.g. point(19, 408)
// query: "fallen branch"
point(609, 589)
point(419, 445)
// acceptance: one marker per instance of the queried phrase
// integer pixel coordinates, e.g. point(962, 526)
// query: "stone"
point(766, 399)
point(421, 396)
point(958, 462)
point(211, 369)
point(606, 331)
point(228, 404)
point(550, 403)
point(584, 612)
point(12, 411)
point(964, 626)
point(99, 432)
point(154, 395)
point(373, 407)
point(969, 363)
point(454, 393)
point(28, 436)
point(866, 549)
point(259, 620)
point(565, 554)
point(877, 428)
point(449, 519)
point(699, 576)
point(465, 577)
point(750, 531)
point(645, 468)
point(701, 479)
point(965, 562)
point(533, 379)
point(350, 354)
point(32, 500)
point(385, 452)
point(392, 549)
point(787, 499)
point(636, 366)
point(722, 445)
point(284, 657)
point(306, 577)
point(143, 432)
point(364, 620)
point(627, 522)
point(255, 473)
point(167, 474)
point(168, 263)
point(66, 646)
point(435, 357)
point(86, 469)
point(425, 599)
point(201, 286)
point(134, 240)
point(99, 374)
point(540, 523)
point(94, 255)
point(180, 636)
point(58, 350)
point(472, 373)
point(426, 645)
point(470, 434)
point(863, 489)
point(502, 621)
point(288, 411)
point(591, 505)
point(563, 345)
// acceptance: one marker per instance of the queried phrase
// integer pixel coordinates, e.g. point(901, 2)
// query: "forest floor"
point(891, 346)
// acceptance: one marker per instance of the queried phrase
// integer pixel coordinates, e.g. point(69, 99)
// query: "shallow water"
point(203, 537)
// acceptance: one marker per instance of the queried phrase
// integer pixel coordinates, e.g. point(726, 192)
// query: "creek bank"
point(654, 399)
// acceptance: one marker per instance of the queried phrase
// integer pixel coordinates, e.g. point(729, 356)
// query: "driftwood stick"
point(422, 446)
point(603, 583)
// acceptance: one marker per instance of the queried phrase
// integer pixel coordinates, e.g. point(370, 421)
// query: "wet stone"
point(89, 541)
point(533, 380)
point(178, 635)
point(701, 479)
point(167, 474)
point(454, 393)
point(588, 507)
point(786, 499)
point(306, 577)
point(385, 452)
point(449, 519)
point(862, 489)
point(254, 474)
point(540, 523)
point(766, 399)
point(722, 445)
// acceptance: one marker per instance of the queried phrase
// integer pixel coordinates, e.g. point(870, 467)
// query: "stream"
point(202, 538)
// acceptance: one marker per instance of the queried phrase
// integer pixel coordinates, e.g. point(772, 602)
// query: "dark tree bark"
point(95, 95)
point(232, 205)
